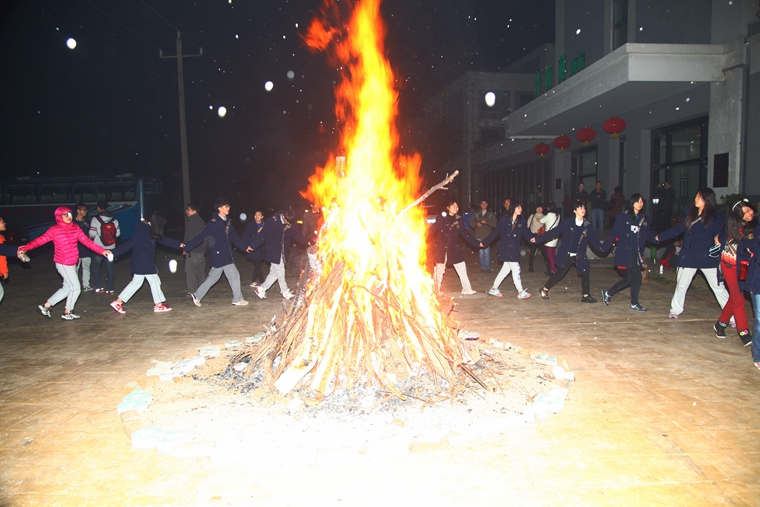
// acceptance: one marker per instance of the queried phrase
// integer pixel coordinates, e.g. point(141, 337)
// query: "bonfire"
point(367, 313)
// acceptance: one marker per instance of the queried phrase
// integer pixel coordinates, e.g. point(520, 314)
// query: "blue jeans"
point(756, 333)
point(97, 280)
point(597, 221)
point(485, 258)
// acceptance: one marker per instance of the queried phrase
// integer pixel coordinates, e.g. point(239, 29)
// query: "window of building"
point(584, 169)
point(679, 155)
point(528, 183)
point(619, 23)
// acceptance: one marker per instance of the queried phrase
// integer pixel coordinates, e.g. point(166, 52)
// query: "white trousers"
point(684, 277)
point(514, 267)
point(70, 290)
point(277, 274)
point(233, 278)
point(137, 281)
point(84, 263)
point(461, 269)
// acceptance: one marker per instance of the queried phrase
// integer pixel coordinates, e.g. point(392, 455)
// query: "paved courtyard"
point(661, 412)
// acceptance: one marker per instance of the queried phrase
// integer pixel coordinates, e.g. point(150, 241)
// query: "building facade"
point(683, 74)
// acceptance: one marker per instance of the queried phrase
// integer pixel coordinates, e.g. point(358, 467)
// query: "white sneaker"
point(44, 311)
point(196, 301)
point(86, 289)
point(260, 291)
point(468, 292)
point(241, 303)
point(287, 295)
point(523, 295)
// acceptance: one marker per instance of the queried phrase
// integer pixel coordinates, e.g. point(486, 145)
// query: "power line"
point(122, 25)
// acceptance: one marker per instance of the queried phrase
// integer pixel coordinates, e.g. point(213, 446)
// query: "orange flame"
point(365, 185)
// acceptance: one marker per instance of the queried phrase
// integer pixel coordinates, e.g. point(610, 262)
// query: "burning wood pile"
point(367, 313)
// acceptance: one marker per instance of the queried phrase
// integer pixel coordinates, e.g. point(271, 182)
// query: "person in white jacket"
point(551, 220)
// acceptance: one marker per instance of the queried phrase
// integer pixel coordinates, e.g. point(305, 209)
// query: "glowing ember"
point(369, 314)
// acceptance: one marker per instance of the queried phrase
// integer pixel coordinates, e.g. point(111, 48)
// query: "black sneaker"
point(544, 293)
point(606, 298)
point(746, 338)
point(638, 308)
point(720, 329)
point(588, 299)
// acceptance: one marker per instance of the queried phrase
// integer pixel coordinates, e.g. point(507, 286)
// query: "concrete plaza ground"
point(661, 412)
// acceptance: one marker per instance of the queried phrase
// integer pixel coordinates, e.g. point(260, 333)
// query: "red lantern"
point(562, 142)
point(541, 149)
point(614, 126)
point(586, 135)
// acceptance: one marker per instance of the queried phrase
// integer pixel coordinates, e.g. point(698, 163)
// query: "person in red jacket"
point(65, 236)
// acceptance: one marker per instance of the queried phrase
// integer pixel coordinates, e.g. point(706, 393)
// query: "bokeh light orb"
point(71, 43)
point(291, 74)
point(243, 217)
point(268, 86)
point(222, 111)
point(490, 99)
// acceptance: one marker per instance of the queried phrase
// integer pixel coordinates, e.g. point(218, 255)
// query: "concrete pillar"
point(613, 165)
point(726, 124)
point(562, 170)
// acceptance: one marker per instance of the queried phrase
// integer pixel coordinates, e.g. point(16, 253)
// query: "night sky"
point(110, 105)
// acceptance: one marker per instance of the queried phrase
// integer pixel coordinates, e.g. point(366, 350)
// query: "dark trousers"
point(258, 274)
point(97, 280)
point(195, 271)
point(632, 279)
point(542, 248)
point(562, 271)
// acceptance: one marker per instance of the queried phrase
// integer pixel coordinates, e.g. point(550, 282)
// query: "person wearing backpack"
point(104, 229)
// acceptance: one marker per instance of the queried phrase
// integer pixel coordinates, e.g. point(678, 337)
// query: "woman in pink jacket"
point(65, 235)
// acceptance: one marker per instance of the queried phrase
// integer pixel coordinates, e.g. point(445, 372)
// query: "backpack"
point(107, 232)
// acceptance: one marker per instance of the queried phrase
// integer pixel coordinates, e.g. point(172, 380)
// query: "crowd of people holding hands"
point(725, 249)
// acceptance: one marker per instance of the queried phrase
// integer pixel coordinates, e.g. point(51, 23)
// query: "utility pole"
point(182, 119)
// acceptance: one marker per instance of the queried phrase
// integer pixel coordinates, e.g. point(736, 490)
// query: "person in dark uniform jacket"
point(143, 245)
point(277, 236)
point(577, 234)
point(252, 230)
point(447, 229)
point(221, 236)
point(510, 230)
point(629, 234)
point(749, 252)
point(700, 225)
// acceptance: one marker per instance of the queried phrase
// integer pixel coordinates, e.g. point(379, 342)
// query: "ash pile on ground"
point(238, 416)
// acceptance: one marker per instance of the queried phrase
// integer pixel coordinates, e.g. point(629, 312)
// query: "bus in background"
point(28, 203)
